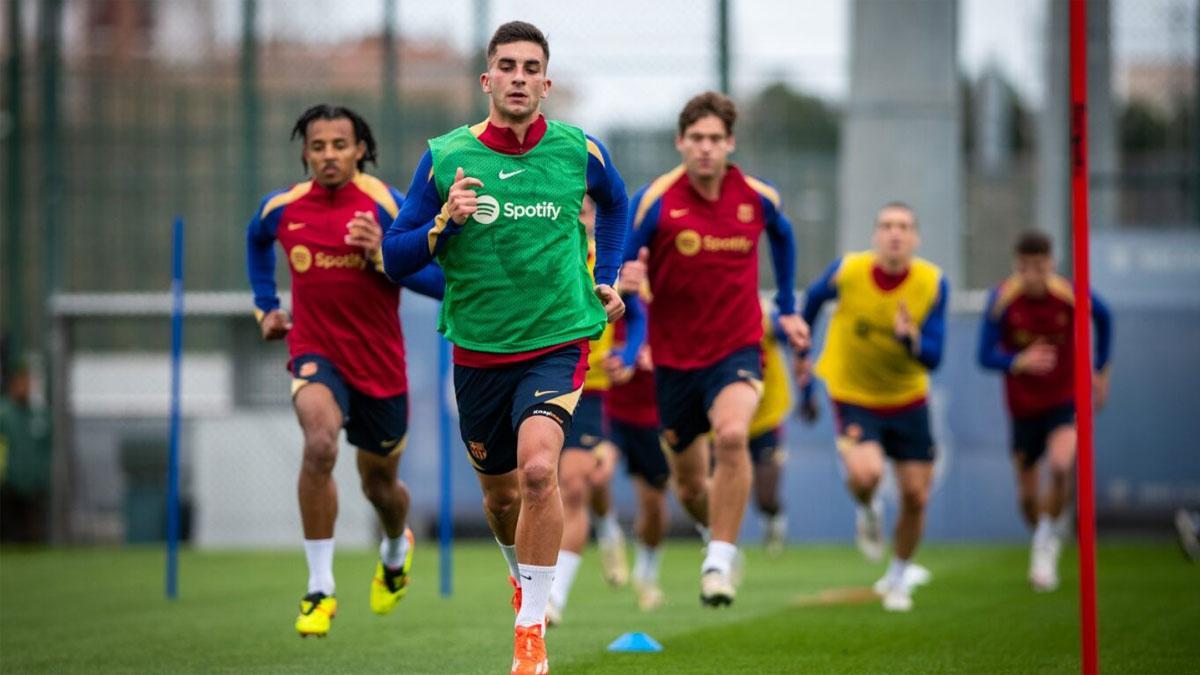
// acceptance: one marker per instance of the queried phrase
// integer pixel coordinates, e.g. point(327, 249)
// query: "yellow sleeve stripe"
point(378, 191)
point(298, 190)
point(1062, 289)
point(656, 189)
point(763, 189)
point(439, 225)
point(478, 129)
point(594, 151)
point(1009, 290)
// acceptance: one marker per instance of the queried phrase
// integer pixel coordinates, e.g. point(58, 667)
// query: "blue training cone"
point(635, 642)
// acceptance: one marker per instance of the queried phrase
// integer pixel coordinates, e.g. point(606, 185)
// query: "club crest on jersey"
point(477, 450)
point(301, 258)
point(745, 213)
point(687, 242)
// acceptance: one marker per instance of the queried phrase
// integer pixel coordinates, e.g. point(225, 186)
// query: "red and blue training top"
point(343, 307)
point(1015, 319)
point(704, 264)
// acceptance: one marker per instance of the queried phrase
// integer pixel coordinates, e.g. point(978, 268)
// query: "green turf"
point(67, 611)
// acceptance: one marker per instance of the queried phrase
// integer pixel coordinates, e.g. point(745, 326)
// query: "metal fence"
point(119, 114)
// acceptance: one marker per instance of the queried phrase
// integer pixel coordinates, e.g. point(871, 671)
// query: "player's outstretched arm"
point(606, 187)
point(260, 268)
point(1102, 318)
point(821, 290)
point(991, 354)
point(422, 227)
point(782, 240)
point(429, 281)
point(931, 337)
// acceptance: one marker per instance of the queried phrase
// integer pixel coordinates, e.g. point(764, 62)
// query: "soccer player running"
point(695, 233)
point(584, 471)
point(345, 344)
point(504, 198)
point(633, 428)
point(885, 336)
point(1027, 334)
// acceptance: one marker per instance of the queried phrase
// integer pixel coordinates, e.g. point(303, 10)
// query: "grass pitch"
point(103, 611)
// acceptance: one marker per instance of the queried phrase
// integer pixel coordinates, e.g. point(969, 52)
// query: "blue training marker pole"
point(173, 459)
point(446, 508)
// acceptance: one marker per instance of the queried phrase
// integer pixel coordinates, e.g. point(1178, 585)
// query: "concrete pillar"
point(1053, 209)
point(901, 135)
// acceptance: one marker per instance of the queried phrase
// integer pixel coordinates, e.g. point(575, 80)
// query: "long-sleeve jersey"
point(703, 267)
point(423, 228)
point(863, 362)
point(1015, 319)
point(343, 307)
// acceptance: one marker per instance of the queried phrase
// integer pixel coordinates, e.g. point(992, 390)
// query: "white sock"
point(535, 592)
point(509, 551)
point(776, 523)
point(1044, 530)
point(564, 577)
point(719, 557)
point(607, 527)
point(646, 563)
point(392, 551)
point(319, 553)
point(896, 570)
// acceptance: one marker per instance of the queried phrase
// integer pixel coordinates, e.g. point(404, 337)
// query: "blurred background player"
point(1027, 333)
point(498, 204)
point(345, 344)
point(767, 450)
point(633, 428)
point(695, 234)
point(885, 336)
point(585, 469)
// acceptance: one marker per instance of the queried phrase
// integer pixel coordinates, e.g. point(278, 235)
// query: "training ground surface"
point(102, 611)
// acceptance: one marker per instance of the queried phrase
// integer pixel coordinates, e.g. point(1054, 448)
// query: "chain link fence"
point(119, 114)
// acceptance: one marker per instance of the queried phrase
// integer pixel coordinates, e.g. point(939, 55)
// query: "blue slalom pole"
point(446, 508)
point(173, 460)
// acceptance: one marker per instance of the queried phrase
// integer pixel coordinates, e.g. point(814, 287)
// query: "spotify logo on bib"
point(486, 209)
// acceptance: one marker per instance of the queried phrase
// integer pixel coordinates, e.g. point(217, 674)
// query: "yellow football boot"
point(389, 587)
point(316, 613)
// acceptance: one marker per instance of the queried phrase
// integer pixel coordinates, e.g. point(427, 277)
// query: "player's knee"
point(913, 499)
point(501, 501)
point(320, 451)
point(1061, 467)
point(377, 487)
point(574, 491)
point(731, 438)
point(689, 489)
point(864, 477)
point(539, 477)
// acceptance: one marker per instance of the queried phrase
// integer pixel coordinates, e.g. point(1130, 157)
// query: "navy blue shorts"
point(905, 436)
point(764, 446)
point(587, 424)
point(1030, 434)
point(376, 425)
point(493, 402)
point(685, 396)
point(643, 452)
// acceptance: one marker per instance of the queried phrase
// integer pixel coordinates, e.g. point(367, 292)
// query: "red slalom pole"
point(1083, 338)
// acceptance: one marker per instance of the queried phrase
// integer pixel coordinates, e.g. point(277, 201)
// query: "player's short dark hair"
point(518, 31)
point(897, 204)
point(325, 111)
point(708, 103)
point(1033, 242)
